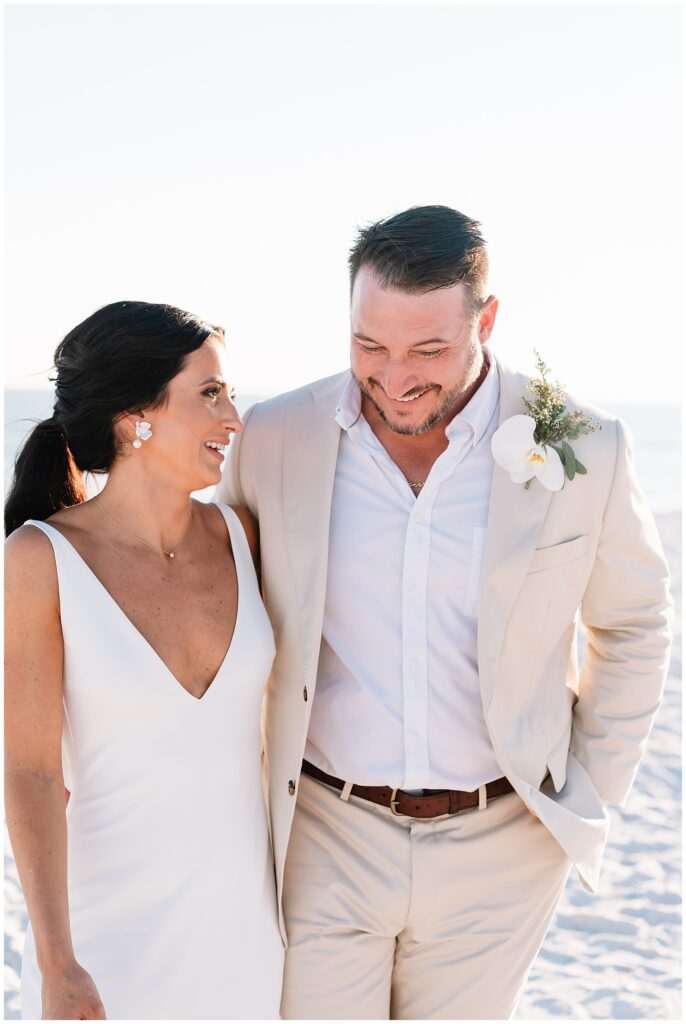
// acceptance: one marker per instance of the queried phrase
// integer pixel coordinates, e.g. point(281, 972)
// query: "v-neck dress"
point(172, 900)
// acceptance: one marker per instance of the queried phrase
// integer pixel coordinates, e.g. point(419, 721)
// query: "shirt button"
point(414, 588)
point(418, 517)
point(414, 662)
point(291, 787)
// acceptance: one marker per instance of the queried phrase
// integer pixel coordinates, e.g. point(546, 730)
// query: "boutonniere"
point(537, 446)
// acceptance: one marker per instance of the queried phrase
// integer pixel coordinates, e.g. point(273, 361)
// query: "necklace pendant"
point(171, 554)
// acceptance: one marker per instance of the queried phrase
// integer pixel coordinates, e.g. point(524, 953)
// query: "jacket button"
point(291, 787)
point(304, 693)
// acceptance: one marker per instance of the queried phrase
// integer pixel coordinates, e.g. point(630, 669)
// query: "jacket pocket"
point(558, 554)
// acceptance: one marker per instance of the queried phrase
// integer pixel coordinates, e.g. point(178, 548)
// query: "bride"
point(138, 648)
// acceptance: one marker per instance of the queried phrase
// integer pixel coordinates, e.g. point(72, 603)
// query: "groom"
point(436, 758)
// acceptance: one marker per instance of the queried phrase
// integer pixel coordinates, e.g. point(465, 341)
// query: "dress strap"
point(60, 544)
point(48, 530)
point(245, 567)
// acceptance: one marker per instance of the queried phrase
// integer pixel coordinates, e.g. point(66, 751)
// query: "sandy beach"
point(617, 954)
point(614, 955)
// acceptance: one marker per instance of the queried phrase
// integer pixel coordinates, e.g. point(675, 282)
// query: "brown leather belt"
point(437, 802)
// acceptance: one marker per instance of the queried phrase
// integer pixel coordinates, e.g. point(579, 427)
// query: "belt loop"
point(482, 797)
point(345, 792)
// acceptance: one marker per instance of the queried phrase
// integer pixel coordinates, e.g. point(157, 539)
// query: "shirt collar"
point(479, 410)
point(476, 415)
point(349, 405)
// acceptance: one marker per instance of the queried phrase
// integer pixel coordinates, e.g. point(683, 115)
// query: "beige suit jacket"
point(588, 553)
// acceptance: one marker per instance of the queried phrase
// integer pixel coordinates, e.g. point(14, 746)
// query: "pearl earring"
point(143, 432)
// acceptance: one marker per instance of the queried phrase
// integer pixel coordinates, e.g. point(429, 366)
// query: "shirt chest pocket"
point(474, 579)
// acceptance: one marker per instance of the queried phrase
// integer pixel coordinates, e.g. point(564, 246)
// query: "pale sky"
point(220, 158)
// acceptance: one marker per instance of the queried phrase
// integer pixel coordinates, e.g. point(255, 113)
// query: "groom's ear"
point(489, 311)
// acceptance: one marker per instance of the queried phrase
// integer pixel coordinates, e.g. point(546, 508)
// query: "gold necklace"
point(420, 483)
point(169, 554)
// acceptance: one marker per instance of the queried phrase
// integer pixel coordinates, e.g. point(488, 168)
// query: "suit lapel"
point(515, 518)
point(309, 464)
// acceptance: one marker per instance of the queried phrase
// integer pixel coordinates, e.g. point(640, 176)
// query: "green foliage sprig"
point(555, 424)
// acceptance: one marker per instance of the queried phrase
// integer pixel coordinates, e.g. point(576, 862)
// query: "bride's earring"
point(143, 432)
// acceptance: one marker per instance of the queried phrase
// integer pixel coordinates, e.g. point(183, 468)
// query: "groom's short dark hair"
point(423, 249)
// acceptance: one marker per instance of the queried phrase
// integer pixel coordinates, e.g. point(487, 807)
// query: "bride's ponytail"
point(46, 477)
point(118, 360)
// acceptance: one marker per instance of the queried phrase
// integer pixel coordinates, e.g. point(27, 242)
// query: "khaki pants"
point(391, 917)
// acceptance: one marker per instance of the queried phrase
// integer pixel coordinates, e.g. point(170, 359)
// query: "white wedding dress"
point(171, 883)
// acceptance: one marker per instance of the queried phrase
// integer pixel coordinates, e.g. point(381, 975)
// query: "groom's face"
point(416, 357)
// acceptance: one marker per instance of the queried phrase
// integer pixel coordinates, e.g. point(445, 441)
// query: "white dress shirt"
point(397, 701)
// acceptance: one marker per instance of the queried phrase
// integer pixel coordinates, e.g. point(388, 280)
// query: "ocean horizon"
point(656, 430)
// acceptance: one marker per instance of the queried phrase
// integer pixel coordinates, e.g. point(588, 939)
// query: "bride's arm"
point(34, 785)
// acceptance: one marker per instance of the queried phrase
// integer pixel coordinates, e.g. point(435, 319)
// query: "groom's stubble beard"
point(449, 400)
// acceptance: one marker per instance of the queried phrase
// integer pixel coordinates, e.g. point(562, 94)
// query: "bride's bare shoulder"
point(26, 542)
point(29, 565)
point(28, 550)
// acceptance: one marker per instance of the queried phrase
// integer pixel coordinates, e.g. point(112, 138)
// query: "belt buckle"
point(394, 804)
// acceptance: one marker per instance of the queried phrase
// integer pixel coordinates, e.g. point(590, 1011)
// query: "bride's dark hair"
point(118, 360)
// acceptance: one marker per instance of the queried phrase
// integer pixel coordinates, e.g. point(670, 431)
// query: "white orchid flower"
point(514, 448)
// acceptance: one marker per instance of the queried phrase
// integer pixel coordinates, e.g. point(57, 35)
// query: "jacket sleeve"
point(627, 612)
point(232, 488)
